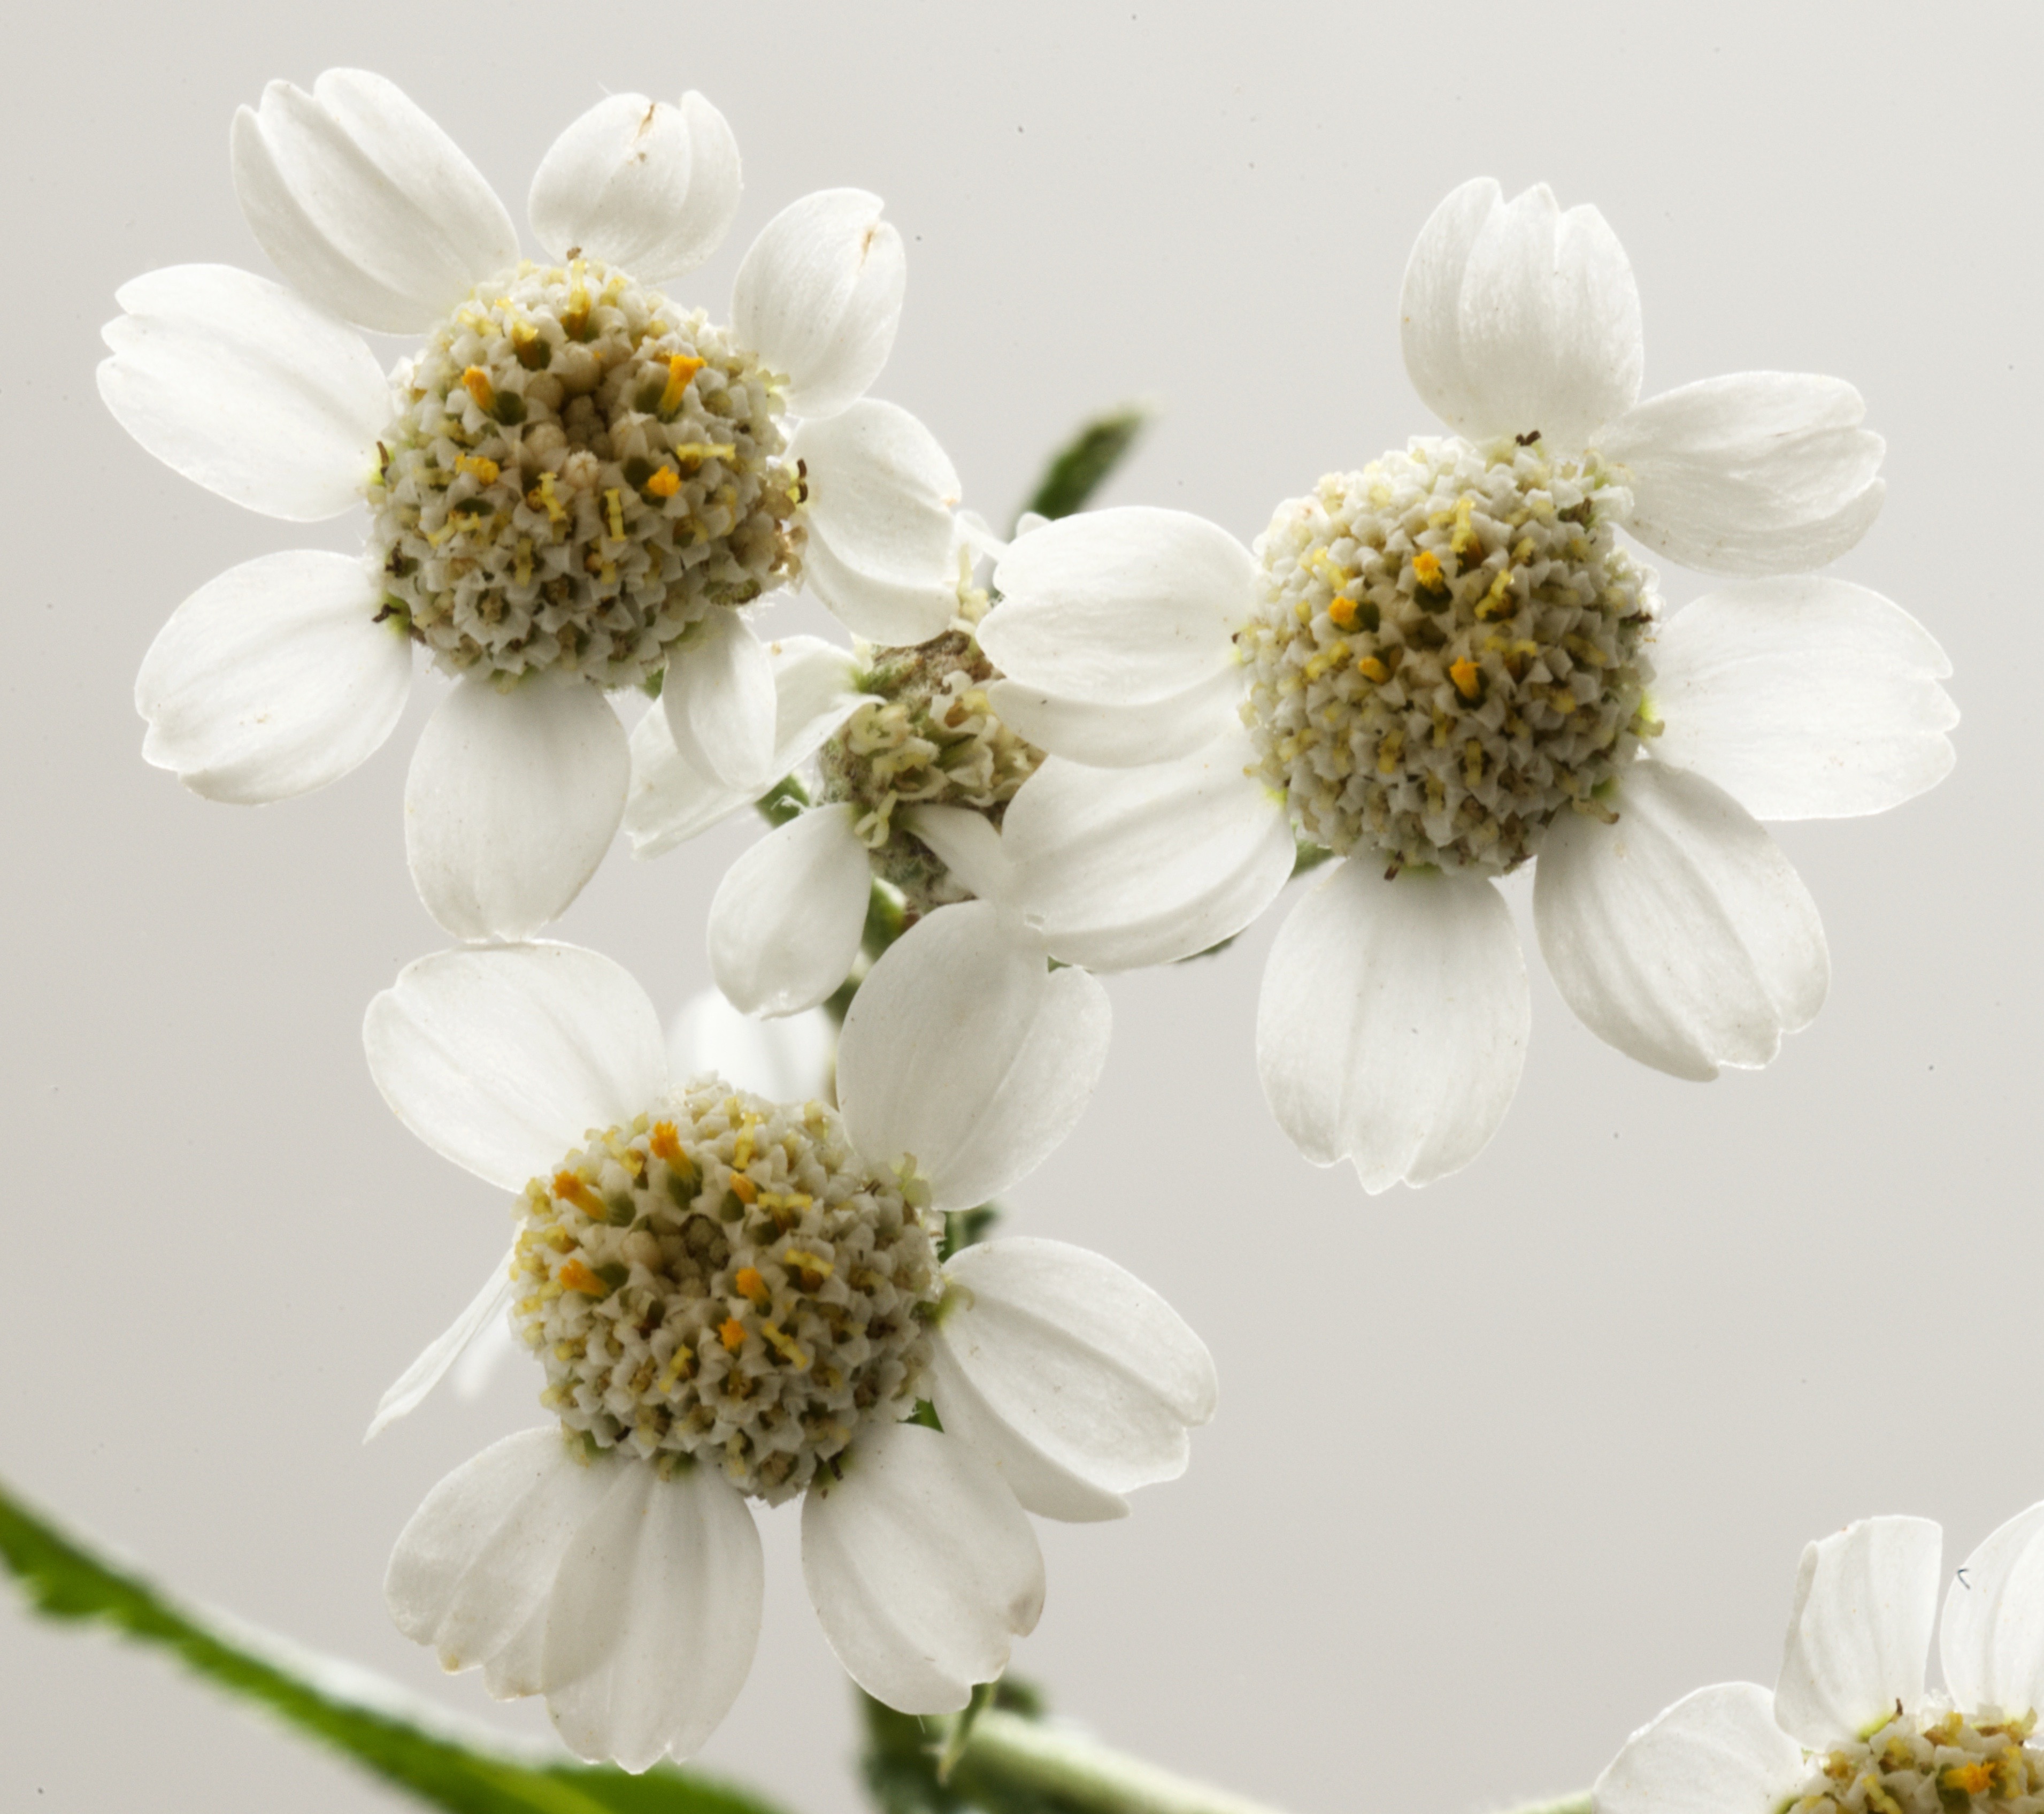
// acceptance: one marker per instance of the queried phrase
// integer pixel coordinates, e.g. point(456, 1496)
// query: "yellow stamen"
point(1468, 679)
point(529, 348)
point(1973, 1778)
point(1427, 570)
point(683, 1363)
point(791, 1351)
point(665, 482)
point(742, 1149)
point(484, 468)
point(613, 506)
point(666, 1142)
point(574, 318)
point(475, 381)
point(743, 1188)
point(577, 1276)
point(1371, 668)
point(732, 1334)
point(543, 498)
point(1343, 611)
point(751, 1286)
point(681, 368)
point(571, 1189)
point(700, 451)
point(809, 1263)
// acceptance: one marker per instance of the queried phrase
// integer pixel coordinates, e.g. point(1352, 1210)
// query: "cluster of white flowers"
point(1097, 746)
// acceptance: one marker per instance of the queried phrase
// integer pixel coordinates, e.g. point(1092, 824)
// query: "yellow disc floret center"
point(578, 473)
point(1917, 1764)
point(724, 1279)
point(1447, 652)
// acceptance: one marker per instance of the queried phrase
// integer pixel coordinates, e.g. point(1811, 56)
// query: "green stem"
point(1007, 1751)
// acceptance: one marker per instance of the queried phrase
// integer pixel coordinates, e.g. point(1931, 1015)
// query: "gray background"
point(1501, 1468)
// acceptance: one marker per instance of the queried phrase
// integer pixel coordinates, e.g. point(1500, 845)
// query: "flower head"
point(1447, 664)
point(575, 484)
point(732, 1298)
point(910, 772)
point(1850, 1727)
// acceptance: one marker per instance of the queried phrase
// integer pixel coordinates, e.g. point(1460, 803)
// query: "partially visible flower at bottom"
point(1850, 1727)
point(734, 1298)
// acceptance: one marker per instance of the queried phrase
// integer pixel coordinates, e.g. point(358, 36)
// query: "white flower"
point(1850, 1728)
point(732, 1298)
point(574, 485)
point(1439, 666)
point(907, 768)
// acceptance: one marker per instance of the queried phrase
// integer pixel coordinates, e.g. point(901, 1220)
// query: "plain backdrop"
point(1501, 1467)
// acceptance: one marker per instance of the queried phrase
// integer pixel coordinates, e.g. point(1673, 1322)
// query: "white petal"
point(785, 925)
point(818, 297)
point(645, 186)
point(965, 841)
point(1075, 1378)
point(968, 1054)
point(483, 1360)
point(720, 705)
point(671, 800)
point(1758, 472)
point(1116, 868)
point(815, 685)
point(921, 1566)
point(364, 203)
point(1680, 935)
point(246, 389)
point(1859, 1632)
point(880, 552)
point(1120, 737)
point(1127, 607)
point(655, 1617)
point(816, 689)
point(273, 679)
point(784, 1060)
point(1520, 318)
point(1715, 1751)
point(1990, 1639)
point(512, 800)
point(409, 1391)
point(1803, 697)
point(473, 1569)
point(1393, 1024)
point(1430, 300)
point(503, 1059)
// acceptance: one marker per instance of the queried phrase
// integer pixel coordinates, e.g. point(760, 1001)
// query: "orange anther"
point(576, 1277)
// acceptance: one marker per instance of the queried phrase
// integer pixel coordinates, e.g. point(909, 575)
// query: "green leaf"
point(404, 1740)
point(1085, 462)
